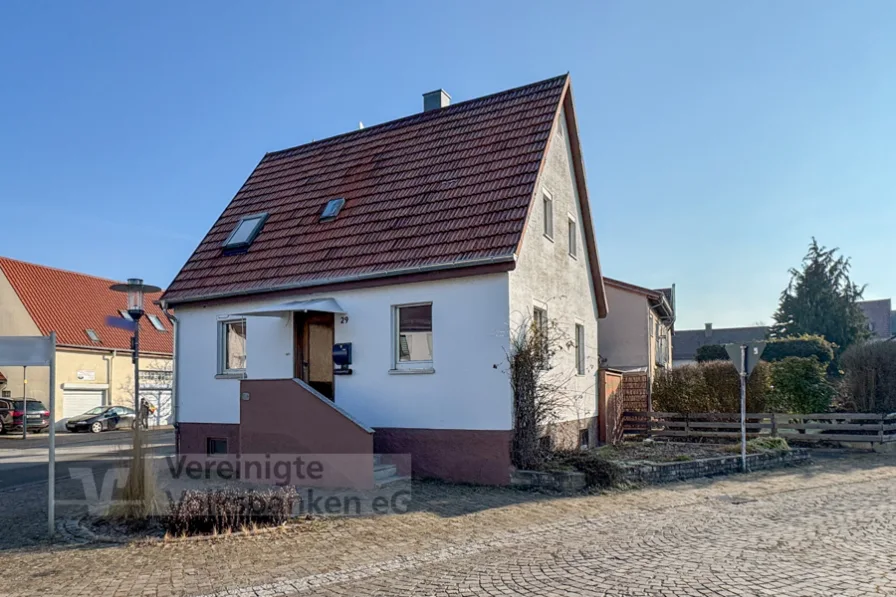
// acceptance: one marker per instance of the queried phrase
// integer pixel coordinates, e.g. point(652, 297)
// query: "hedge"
point(711, 352)
point(799, 346)
point(800, 385)
point(870, 376)
point(709, 388)
point(777, 350)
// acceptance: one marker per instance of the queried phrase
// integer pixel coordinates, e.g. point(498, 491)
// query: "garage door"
point(78, 402)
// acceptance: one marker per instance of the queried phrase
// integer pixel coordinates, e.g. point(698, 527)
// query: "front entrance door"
point(314, 351)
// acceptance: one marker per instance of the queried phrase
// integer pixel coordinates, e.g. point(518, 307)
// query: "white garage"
point(77, 402)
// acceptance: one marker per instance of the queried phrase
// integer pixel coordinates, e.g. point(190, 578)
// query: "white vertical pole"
point(743, 408)
point(51, 481)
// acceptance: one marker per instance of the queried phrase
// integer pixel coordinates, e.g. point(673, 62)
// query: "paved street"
point(826, 529)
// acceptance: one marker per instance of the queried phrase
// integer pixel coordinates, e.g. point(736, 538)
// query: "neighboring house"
point(93, 360)
point(686, 342)
point(880, 315)
point(637, 334)
point(417, 247)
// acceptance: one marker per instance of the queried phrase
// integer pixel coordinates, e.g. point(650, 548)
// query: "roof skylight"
point(245, 231)
point(94, 337)
point(156, 322)
point(125, 315)
point(332, 209)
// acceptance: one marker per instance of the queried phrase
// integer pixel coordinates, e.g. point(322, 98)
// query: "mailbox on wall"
point(342, 358)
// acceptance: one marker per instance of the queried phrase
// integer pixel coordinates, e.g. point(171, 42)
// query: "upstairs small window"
point(332, 209)
point(572, 237)
point(548, 204)
point(94, 337)
point(156, 322)
point(245, 231)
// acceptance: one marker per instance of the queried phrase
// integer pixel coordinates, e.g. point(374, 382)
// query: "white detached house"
point(359, 292)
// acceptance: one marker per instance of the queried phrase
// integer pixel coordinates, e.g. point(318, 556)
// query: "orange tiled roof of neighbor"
point(449, 187)
point(70, 303)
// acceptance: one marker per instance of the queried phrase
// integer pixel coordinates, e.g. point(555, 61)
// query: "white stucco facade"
point(624, 332)
point(549, 278)
point(468, 389)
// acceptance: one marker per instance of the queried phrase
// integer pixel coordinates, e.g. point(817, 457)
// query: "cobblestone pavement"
point(825, 529)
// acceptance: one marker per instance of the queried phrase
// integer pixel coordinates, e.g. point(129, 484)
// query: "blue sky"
point(719, 137)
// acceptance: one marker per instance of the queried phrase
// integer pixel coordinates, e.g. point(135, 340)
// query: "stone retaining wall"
point(669, 472)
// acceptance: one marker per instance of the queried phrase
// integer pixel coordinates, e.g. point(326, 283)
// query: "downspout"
point(175, 407)
point(109, 360)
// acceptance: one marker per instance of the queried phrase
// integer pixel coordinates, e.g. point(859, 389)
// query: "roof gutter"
point(174, 377)
point(345, 279)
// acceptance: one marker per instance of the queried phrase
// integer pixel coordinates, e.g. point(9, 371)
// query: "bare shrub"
point(227, 510)
point(538, 393)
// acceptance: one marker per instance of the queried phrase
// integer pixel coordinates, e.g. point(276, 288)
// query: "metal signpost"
point(37, 351)
point(744, 356)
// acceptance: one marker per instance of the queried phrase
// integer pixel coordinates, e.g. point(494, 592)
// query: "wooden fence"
point(839, 427)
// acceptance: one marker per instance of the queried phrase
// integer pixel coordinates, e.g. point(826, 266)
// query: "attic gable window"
point(94, 337)
point(332, 209)
point(245, 231)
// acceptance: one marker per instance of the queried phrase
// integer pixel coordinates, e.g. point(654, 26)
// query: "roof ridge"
point(57, 269)
point(368, 129)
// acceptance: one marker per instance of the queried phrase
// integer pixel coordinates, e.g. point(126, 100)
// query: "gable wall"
point(547, 276)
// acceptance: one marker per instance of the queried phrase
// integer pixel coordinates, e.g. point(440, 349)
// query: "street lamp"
point(135, 289)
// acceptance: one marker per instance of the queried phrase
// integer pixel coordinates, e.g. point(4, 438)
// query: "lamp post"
point(135, 289)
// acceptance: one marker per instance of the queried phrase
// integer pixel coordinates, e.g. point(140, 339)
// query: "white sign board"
point(86, 375)
point(26, 351)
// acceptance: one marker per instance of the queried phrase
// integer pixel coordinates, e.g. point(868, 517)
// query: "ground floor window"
point(413, 336)
point(232, 347)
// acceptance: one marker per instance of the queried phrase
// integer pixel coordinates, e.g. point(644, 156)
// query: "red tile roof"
point(442, 188)
point(70, 303)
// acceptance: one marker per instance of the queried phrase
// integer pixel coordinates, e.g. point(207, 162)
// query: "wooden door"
point(314, 351)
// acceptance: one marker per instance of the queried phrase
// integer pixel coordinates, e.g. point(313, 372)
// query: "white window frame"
point(399, 366)
point(580, 347)
point(223, 370)
point(547, 218)
point(572, 236)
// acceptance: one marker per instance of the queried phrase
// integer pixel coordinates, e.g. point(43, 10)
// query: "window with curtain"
point(413, 336)
point(232, 347)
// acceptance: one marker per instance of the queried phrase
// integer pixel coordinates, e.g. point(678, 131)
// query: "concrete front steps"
point(386, 474)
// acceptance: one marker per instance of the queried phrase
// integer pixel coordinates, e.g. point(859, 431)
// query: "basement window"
point(245, 231)
point(156, 322)
point(94, 337)
point(332, 209)
point(215, 446)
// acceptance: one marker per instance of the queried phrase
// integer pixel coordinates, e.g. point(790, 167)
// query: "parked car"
point(103, 418)
point(12, 411)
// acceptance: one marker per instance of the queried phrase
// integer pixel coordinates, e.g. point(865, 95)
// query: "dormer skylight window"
point(94, 337)
point(245, 231)
point(332, 209)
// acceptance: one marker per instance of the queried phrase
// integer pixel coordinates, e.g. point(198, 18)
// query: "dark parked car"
point(103, 418)
point(12, 411)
